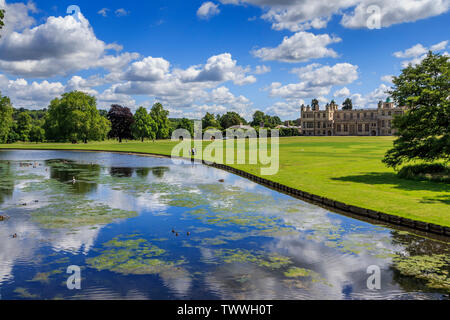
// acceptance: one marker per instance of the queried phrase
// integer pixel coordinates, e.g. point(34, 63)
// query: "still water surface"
point(145, 228)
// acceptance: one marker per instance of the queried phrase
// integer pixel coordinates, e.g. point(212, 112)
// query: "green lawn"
point(346, 169)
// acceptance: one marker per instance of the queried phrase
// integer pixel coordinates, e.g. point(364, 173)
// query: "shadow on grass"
point(444, 199)
point(403, 184)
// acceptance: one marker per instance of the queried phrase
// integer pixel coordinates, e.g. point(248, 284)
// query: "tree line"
point(74, 117)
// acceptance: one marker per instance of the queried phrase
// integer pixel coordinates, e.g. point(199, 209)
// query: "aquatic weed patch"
point(44, 277)
point(64, 212)
point(136, 256)
point(25, 294)
point(434, 270)
point(271, 261)
point(315, 277)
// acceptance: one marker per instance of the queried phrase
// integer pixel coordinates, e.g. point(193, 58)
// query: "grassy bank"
point(346, 169)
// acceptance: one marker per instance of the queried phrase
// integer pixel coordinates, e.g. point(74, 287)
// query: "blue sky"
point(215, 56)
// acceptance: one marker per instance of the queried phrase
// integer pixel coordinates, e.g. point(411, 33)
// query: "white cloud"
point(297, 91)
point(283, 109)
point(317, 75)
point(316, 81)
point(342, 93)
point(182, 88)
point(116, 63)
point(218, 101)
point(35, 94)
point(77, 83)
point(301, 47)
point(394, 12)
point(413, 52)
point(218, 68)
point(298, 15)
point(222, 95)
point(439, 46)
point(171, 90)
point(418, 52)
point(17, 16)
point(208, 10)
point(109, 97)
point(148, 69)
point(181, 113)
point(103, 12)
point(57, 47)
point(370, 100)
point(387, 79)
point(262, 69)
point(225, 101)
point(121, 12)
point(177, 93)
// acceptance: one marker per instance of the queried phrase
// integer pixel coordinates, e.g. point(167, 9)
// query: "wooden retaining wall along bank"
point(422, 227)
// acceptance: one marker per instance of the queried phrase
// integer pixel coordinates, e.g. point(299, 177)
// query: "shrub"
point(435, 172)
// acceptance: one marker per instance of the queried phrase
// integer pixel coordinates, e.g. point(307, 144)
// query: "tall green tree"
point(258, 118)
point(103, 113)
point(210, 121)
point(121, 121)
point(160, 116)
point(424, 131)
point(348, 104)
point(74, 117)
point(6, 118)
point(230, 119)
point(267, 121)
point(99, 128)
point(274, 121)
point(186, 124)
point(37, 134)
point(144, 126)
point(24, 125)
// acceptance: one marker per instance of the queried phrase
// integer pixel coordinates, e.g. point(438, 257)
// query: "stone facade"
point(358, 122)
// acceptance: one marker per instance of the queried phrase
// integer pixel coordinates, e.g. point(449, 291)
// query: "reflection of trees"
point(121, 172)
point(159, 171)
point(6, 181)
point(416, 246)
point(86, 175)
point(142, 172)
point(409, 284)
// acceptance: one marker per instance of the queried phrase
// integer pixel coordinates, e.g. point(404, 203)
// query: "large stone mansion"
point(358, 122)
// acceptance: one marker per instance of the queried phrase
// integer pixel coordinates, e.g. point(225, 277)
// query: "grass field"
point(346, 169)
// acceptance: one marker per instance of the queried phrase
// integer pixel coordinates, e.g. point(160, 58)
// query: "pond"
point(145, 228)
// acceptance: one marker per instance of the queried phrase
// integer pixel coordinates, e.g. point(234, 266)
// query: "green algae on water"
point(25, 294)
point(271, 261)
point(434, 270)
point(44, 277)
point(136, 256)
point(296, 272)
point(74, 214)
